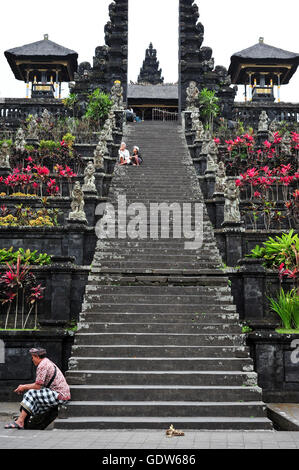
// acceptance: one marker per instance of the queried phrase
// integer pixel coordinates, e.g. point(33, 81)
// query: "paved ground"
point(145, 440)
point(63, 439)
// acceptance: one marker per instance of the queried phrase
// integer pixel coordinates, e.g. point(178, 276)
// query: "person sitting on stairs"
point(49, 389)
point(124, 155)
point(136, 158)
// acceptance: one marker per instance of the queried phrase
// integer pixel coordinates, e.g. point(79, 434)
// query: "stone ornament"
point(263, 122)
point(192, 96)
point(206, 138)
point(89, 178)
point(4, 156)
point(220, 183)
point(285, 144)
point(117, 96)
point(212, 157)
point(20, 140)
point(231, 207)
point(100, 152)
point(77, 205)
point(32, 129)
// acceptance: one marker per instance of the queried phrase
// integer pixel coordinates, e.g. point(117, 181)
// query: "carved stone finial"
point(20, 141)
point(212, 157)
point(192, 96)
point(263, 122)
point(117, 96)
point(220, 183)
point(89, 178)
point(77, 205)
point(4, 156)
point(32, 129)
point(231, 207)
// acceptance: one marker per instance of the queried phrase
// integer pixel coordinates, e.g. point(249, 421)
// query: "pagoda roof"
point(263, 54)
point(41, 52)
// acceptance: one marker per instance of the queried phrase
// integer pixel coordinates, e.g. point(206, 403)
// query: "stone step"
point(131, 422)
point(208, 378)
point(138, 350)
point(165, 393)
point(158, 281)
point(161, 364)
point(162, 339)
point(166, 409)
point(146, 266)
point(155, 271)
point(175, 292)
point(144, 299)
point(185, 328)
point(204, 308)
point(218, 320)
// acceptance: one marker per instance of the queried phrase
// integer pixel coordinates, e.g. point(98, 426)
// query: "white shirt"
point(125, 155)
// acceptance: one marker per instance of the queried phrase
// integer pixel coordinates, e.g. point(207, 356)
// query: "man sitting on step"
point(124, 155)
point(50, 389)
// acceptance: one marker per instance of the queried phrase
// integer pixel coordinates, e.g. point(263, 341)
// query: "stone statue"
point(20, 141)
point(46, 119)
point(106, 132)
point(231, 207)
point(192, 96)
point(286, 145)
point(199, 134)
point(100, 152)
point(77, 206)
point(212, 157)
point(89, 178)
point(4, 156)
point(206, 138)
point(195, 119)
point(220, 178)
point(32, 129)
point(112, 119)
point(117, 96)
point(263, 122)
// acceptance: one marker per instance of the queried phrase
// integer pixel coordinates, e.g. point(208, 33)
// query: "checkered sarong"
point(39, 401)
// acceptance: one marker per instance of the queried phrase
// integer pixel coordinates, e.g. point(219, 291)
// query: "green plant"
point(246, 329)
point(98, 107)
point(7, 141)
point(287, 307)
point(26, 257)
point(70, 102)
point(209, 107)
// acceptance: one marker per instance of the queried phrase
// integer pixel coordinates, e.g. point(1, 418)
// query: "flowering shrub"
point(19, 294)
point(27, 217)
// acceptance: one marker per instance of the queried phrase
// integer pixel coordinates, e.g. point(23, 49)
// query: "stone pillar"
point(233, 242)
point(254, 288)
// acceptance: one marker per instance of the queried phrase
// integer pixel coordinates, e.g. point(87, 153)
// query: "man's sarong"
point(39, 401)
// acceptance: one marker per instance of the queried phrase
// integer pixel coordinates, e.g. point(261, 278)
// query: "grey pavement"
point(144, 439)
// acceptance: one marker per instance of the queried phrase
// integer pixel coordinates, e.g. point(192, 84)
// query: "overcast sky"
point(230, 26)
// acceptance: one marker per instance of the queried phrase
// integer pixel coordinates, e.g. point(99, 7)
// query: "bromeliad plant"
point(19, 294)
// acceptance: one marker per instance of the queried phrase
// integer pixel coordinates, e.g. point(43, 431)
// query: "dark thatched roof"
point(263, 54)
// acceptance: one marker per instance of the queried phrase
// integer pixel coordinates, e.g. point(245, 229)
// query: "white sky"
point(230, 26)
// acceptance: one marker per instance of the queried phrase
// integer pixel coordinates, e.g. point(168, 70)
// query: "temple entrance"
point(153, 72)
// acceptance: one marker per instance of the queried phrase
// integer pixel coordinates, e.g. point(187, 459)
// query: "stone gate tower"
point(196, 62)
point(110, 62)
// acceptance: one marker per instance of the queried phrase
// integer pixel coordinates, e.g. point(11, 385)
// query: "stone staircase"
point(159, 340)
